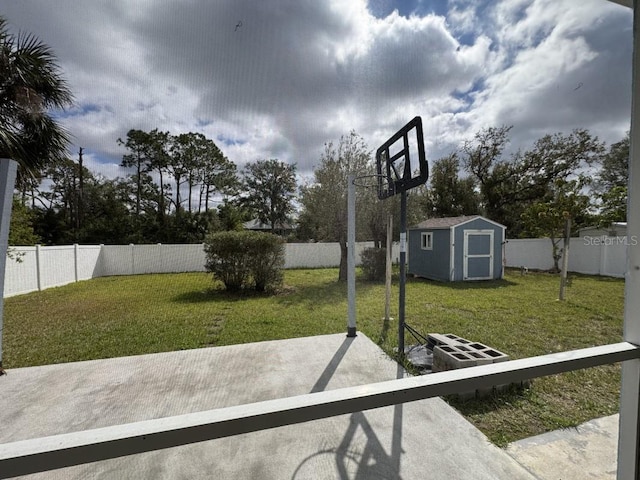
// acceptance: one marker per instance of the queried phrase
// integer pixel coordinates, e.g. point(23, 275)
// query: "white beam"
point(50, 453)
point(629, 431)
point(8, 171)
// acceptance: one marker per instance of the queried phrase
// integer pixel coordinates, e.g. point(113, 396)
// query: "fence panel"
point(584, 257)
point(183, 258)
point(88, 261)
point(534, 253)
point(615, 260)
point(116, 260)
point(21, 272)
point(57, 266)
point(44, 267)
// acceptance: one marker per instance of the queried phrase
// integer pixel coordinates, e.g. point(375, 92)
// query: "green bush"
point(245, 259)
point(267, 263)
point(374, 263)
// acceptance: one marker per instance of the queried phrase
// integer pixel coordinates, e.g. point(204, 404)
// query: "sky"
point(280, 78)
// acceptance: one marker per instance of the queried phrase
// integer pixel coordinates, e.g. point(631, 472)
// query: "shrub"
point(268, 261)
point(245, 259)
point(374, 262)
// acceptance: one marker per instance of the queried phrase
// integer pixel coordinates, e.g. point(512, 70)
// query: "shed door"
point(478, 255)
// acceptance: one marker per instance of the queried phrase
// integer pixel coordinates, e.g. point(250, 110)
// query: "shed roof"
point(448, 222)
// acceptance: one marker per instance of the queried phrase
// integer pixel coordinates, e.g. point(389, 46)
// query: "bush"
point(374, 263)
point(267, 263)
point(245, 259)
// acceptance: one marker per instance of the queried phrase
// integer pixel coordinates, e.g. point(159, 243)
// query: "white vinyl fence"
point(44, 267)
point(590, 255)
point(38, 268)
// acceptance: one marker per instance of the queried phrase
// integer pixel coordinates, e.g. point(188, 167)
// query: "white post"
point(351, 254)
point(565, 257)
point(8, 169)
point(629, 429)
point(75, 261)
point(387, 283)
point(38, 268)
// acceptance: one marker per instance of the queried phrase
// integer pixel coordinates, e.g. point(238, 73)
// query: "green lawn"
point(115, 316)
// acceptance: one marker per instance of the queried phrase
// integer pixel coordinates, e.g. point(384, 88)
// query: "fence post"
point(75, 261)
point(98, 270)
point(38, 269)
point(603, 259)
point(133, 260)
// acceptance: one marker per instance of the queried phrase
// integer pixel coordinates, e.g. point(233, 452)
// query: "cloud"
point(278, 79)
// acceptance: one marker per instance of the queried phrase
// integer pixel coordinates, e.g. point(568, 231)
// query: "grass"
point(116, 316)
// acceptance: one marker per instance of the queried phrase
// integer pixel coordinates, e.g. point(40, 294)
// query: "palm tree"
point(30, 85)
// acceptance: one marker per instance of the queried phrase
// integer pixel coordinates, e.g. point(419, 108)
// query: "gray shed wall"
point(433, 264)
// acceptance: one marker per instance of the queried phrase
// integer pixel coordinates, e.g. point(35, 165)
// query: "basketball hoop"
point(377, 181)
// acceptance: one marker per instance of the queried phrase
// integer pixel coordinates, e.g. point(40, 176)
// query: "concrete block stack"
point(451, 352)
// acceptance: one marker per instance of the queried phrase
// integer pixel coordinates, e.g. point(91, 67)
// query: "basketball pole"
point(351, 254)
point(403, 273)
point(387, 283)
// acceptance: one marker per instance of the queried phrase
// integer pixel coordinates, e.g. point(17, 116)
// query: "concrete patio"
point(424, 439)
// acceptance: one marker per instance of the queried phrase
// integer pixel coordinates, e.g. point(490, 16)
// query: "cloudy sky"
point(279, 78)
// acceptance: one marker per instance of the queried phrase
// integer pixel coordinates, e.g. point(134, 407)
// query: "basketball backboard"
point(401, 163)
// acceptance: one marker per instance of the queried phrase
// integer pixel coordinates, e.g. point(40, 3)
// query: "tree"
point(197, 161)
point(139, 144)
point(548, 217)
point(159, 153)
point(181, 159)
point(614, 171)
point(270, 187)
point(613, 206)
point(508, 187)
point(324, 203)
point(449, 195)
point(232, 215)
point(218, 174)
point(31, 86)
point(612, 183)
point(21, 231)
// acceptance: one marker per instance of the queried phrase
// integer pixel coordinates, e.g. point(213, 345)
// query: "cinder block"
point(448, 357)
point(480, 358)
point(495, 355)
point(452, 352)
point(438, 339)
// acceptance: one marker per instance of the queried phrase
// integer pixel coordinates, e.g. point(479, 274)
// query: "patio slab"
point(586, 452)
point(425, 439)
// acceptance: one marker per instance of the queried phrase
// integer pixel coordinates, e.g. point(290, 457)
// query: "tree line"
point(180, 188)
point(183, 186)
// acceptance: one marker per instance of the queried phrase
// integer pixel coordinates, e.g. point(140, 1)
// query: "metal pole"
point(403, 273)
point(351, 255)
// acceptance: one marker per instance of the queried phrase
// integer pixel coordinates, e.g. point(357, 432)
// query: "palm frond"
point(30, 85)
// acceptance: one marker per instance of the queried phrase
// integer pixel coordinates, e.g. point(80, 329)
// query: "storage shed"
point(453, 249)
